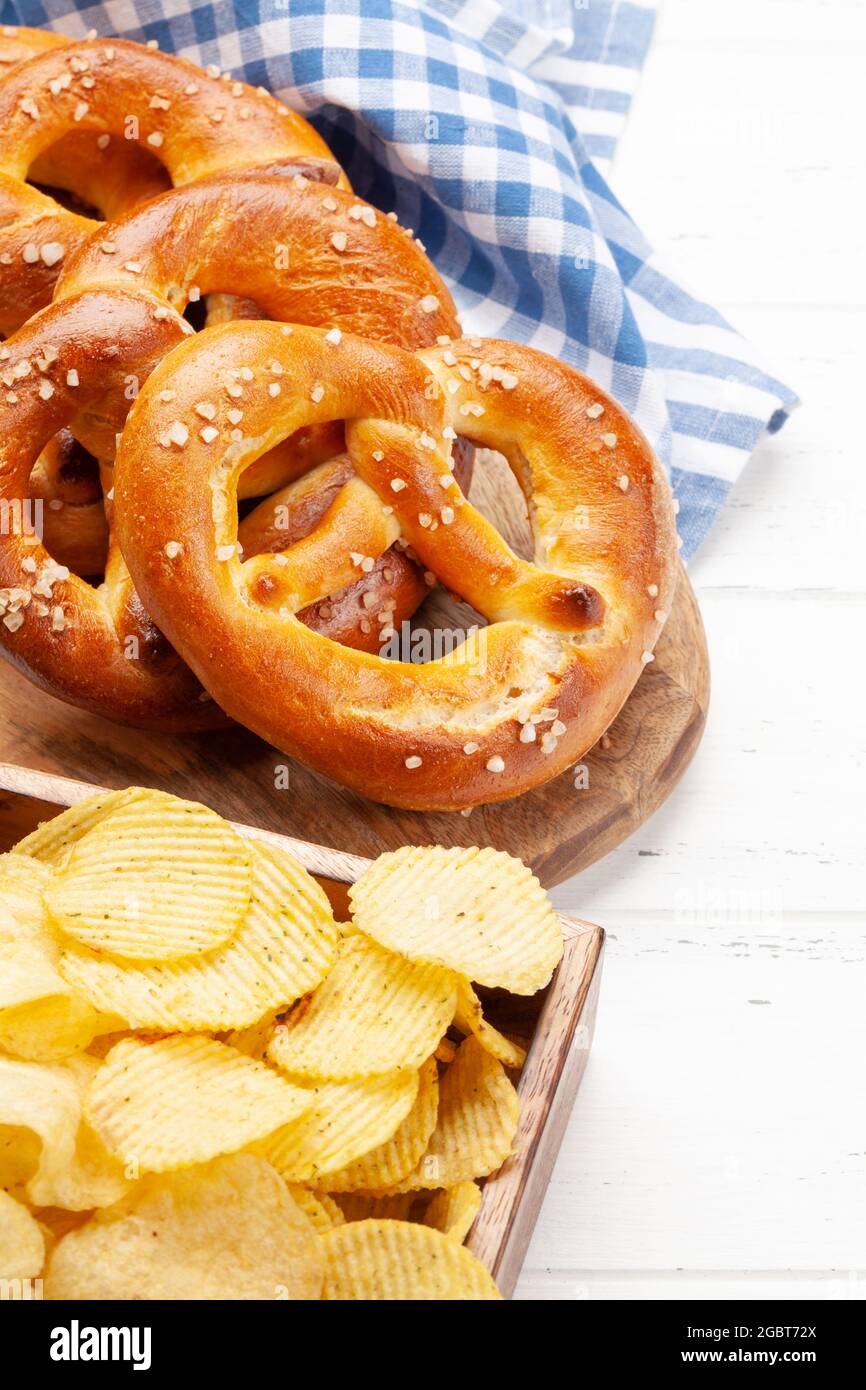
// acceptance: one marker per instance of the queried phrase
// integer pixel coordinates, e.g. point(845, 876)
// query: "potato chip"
point(477, 911)
point(397, 1157)
point(319, 1207)
point(375, 1012)
point(346, 1119)
point(476, 1123)
point(183, 1100)
point(158, 879)
point(373, 1260)
point(51, 841)
point(227, 1230)
point(19, 1152)
point(22, 884)
point(41, 1017)
point(469, 1018)
point(22, 1244)
point(43, 1102)
point(453, 1210)
point(362, 1206)
point(282, 949)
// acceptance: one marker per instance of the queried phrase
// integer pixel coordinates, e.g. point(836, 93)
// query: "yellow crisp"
point(453, 1210)
point(345, 1119)
point(282, 948)
point(469, 1018)
point(372, 1260)
point(397, 1157)
point(476, 1123)
point(183, 1100)
point(477, 911)
point(373, 1013)
point(22, 1245)
point(227, 1230)
point(46, 1145)
point(41, 1017)
point(53, 839)
point(22, 884)
point(157, 879)
point(319, 1207)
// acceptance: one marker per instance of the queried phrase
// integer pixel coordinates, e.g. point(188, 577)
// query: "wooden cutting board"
point(558, 829)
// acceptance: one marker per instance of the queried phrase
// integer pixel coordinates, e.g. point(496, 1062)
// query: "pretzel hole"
point(82, 178)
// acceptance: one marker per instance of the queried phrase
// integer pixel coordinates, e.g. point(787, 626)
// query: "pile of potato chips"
point(210, 1088)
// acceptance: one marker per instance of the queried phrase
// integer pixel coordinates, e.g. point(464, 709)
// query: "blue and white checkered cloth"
point(488, 133)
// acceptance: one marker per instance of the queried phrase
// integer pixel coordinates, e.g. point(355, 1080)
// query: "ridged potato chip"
point(363, 1206)
point(228, 1230)
point(477, 911)
point(319, 1207)
point(22, 1244)
point(346, 1119)
point(375, 1012)
point(51, 841)
point(22, 886)
point(453, 1210)
point(41, 1017)
point(282, 948)
point(469, 1018)
point(397, 1157)
point(158, 879)
point(183, 1100)
point(476, 1123)
point(389, 1260)
point(43, 1102)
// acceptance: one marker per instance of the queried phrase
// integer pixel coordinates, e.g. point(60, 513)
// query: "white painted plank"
point(740, 160)
point(721, 1124)
point(762, 1285)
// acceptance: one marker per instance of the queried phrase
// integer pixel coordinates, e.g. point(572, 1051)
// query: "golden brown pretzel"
point(304, 252)
point(94, 647)
point(568, 635)
point(164, 243)
point(193, 122)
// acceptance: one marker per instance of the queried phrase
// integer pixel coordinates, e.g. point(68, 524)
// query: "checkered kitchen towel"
point(488, 132)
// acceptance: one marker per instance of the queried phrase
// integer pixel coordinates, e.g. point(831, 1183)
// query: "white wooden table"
point(718, 1145)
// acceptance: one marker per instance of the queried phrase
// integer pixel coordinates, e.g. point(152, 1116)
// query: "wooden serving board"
point(558, 829)
point(556, 1024)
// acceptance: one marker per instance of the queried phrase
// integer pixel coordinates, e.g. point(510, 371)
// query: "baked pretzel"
point(235, 219)
point(308, 253)
point(113, 175)
point(568, 634)
point(194, 123)
point(95, 647)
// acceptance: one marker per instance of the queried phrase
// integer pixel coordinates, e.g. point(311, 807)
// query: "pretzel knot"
point(567, 634)
point(216, 235)
point(114, 123)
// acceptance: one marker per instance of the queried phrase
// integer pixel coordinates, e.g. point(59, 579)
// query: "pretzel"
point(318, 280)
point(568, 635)
point(156, 105)
point(95, 647)
point(114, 175)
point(339, 263)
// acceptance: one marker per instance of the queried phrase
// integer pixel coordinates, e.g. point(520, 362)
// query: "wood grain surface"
point(556, 1025)
point(558, 829)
